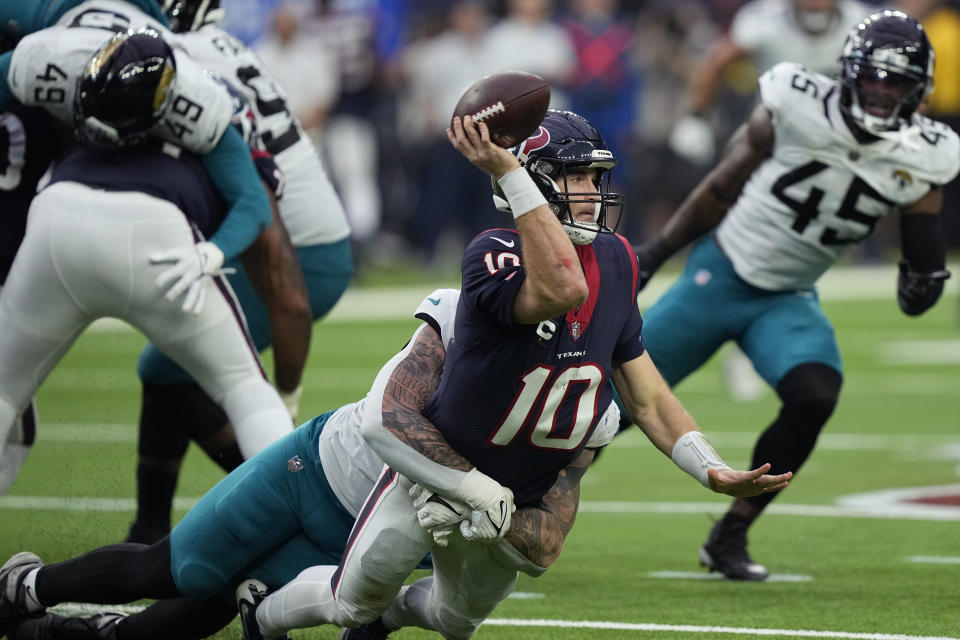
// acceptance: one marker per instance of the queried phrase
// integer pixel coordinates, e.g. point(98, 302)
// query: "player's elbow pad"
point(918, 291)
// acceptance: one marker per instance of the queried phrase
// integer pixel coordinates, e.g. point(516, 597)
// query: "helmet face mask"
point(886, 71)
point(125, 89)
point(561, 156)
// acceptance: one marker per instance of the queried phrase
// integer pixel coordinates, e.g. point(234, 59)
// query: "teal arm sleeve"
point(6, 96)
point(234, 175)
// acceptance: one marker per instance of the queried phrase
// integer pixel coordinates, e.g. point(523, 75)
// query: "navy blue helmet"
point(565, 141)
point(190, 15)
point(125, 88)
point(886, 71)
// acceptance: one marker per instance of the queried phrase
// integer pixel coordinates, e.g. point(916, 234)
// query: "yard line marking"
point(691, 628)
point(934, 559)
point(700, 575)
point(884, 512)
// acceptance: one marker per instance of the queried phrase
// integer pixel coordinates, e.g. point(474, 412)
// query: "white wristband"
point(520, 191)
point(694, 454)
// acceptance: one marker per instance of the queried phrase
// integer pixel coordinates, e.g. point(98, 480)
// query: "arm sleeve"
point(233, 173)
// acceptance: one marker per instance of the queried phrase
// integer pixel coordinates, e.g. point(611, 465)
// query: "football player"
point(174, 408)
point(546, 318)
point(162, 250)
point(291, 506)
point(766, 32)
point(817, 164)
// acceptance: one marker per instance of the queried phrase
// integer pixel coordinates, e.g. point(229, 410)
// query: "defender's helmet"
point(125, 88)
point(886, 71)
point(190, 15)
point(564, 141)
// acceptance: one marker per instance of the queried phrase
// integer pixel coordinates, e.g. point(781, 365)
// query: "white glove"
point(492, 504)
point(438, 516)
point(192, 266)
point(692, 138)
point(291, 400)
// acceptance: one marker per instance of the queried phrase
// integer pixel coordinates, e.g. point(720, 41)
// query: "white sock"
point(306, 601)
point(258, 415)
point(30, 586)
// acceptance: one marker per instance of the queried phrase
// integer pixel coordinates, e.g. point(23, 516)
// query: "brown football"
point(512, 103)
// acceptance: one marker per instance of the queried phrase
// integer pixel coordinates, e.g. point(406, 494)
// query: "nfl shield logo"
point(575, 330)
point(294, 464)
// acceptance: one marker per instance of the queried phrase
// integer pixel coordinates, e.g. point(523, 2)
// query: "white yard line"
point(690, 628)
point(934, 559)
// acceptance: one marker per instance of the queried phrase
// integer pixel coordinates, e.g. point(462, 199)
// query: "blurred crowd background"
point(375, 82)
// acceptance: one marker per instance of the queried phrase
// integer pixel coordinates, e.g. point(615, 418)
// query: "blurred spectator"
point(453, 196)
point(528, 40)
point(604, 87)
point(764, 32)
point(301, 64)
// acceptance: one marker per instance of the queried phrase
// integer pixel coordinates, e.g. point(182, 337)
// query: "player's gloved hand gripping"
point(439, 516)
point(191, 267)
point(492, 505)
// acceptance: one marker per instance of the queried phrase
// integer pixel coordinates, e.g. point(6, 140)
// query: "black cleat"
point(726, 551)
point(51, 626)
point(250, 594)
point(370, 631)
point(13, 597)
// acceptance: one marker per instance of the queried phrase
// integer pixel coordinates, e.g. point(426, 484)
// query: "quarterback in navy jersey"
point(487, 416)
point(812, 171)
point(540, 331)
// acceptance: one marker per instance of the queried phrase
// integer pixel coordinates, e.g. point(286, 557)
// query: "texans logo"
point(535, 142)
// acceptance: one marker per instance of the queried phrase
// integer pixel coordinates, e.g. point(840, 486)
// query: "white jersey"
point(46, 65)
point(768, 29)
point(821, 190)
point(310, 209)
point(350, 465)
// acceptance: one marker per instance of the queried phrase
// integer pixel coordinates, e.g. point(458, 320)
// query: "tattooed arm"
point(274, 272)
point(539, 532)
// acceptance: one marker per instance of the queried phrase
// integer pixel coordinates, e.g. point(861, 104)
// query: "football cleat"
point(51, 626)
point(370, 631)
point(726, 551)
point(13, 597)
point(250, 594)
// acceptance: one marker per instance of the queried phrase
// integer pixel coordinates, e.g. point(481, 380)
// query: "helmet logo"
point(903, 178)
point(534, 143)
point(163, 88)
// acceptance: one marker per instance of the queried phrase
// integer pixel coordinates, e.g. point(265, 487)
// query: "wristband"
point(520, 191)
point(694, 454)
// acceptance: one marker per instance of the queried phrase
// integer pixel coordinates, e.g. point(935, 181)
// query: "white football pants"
point(86, 256)
point(385, 546)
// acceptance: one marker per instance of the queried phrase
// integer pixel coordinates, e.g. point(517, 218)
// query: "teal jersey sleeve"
point(21, 17)
point(234, 175)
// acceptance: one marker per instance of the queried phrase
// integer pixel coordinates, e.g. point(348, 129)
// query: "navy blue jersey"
point(177, 178)
point(27, 146)
point(521, 401)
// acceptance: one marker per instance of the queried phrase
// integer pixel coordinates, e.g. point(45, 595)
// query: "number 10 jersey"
point(822, 190)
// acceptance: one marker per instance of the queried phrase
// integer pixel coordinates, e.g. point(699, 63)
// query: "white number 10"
point(543, 435)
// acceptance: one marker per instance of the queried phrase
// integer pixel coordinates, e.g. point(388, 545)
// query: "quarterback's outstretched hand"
point(743, 484)
point(190, 267)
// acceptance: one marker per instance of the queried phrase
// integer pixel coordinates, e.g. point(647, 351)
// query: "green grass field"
point(844, 566)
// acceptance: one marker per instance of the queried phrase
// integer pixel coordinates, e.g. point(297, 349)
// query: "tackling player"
point(547, 317)
point(818, 163)
point(291, 506)
point(174, 409)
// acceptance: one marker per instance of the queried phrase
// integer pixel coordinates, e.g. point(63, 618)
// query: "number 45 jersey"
point(521, 401)
point(822, 190)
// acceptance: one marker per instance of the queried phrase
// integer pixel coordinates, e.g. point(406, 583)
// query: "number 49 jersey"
point(46, 65)
point(821, 190)
point(521, 401)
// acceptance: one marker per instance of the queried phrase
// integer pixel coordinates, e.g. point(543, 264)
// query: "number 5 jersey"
point(822, 190)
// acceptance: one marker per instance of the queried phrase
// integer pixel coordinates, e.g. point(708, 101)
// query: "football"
point(511, 103)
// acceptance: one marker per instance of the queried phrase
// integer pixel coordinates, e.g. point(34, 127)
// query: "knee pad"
point(810, 392)
point(171, 415)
